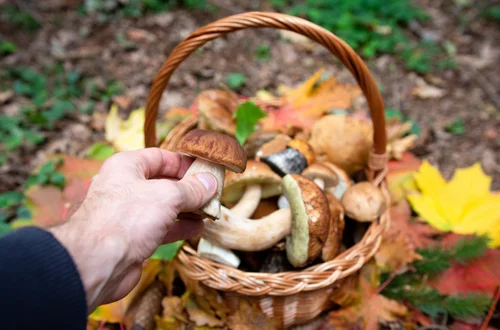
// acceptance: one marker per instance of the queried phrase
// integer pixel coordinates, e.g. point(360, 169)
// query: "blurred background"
point(63, 63)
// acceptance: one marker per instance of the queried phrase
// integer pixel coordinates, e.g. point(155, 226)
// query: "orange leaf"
point(308, 102)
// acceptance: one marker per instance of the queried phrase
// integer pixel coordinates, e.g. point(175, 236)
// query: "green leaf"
point(262, 53)
point(57, 179)
point(167, 251)
point(7, 47)
point(247, 116)
point(236, 80)
point(10, 199)
point(457, 127)
point(393, 113)
point(23, 212)
point(100, 151)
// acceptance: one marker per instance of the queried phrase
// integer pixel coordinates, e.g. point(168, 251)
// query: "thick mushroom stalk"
point(214, 152)
point(235, 232)
point(249, 202)
point(209, 250)
point(212, 208)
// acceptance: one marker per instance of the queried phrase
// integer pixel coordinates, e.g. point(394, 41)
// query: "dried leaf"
point(127, 134)
point(370, 309)
point(201, 318)
point(305, 104)
point(426, 91)
point(400, 177)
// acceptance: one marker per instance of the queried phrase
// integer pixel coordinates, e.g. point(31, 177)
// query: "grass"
point(373, 28)
point(49, 96)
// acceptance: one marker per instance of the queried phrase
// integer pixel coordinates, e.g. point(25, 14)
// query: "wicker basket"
point(292, 297)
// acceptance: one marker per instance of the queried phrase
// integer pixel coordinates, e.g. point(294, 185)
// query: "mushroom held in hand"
point(310, 219)
point(292, 160)
point(336, 230)
point(364, 202)
point(214, 153)
point(258, 181)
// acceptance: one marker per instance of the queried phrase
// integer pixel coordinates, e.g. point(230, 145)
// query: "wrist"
point(97, 256)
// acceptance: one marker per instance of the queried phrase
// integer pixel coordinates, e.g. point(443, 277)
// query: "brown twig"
point(496, 297)
point(386, 282)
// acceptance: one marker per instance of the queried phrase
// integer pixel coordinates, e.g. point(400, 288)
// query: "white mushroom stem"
point(320, 183)
point(239, 233)
point(283, 202)
point(249, 202)
point(212, 208)
point(209, 250)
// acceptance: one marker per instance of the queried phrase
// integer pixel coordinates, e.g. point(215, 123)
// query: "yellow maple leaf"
point(464, 205)
point(125, 135)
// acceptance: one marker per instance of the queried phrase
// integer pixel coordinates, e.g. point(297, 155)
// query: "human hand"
point(130, 209)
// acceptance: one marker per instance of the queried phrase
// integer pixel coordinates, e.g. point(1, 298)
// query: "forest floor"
point(131, 51)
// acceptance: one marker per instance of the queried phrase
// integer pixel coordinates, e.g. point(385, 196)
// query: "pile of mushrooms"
point(282, 203)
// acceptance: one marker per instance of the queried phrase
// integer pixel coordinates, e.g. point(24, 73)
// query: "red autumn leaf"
point(419, 234)
point(49, 205)
point(482, 274)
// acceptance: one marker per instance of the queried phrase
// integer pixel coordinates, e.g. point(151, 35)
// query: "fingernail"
point(208, 181)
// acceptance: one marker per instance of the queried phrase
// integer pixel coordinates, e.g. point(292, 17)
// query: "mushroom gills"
point(297, 243)
point(212, 208)
point(288, 161)
point(283, 202)
point(249, 202)
point(320, 183)
point(209, 250)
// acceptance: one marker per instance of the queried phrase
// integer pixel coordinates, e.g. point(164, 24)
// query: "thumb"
point(196, 190)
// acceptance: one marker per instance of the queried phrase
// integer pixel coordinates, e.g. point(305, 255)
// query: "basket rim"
point(319, 276)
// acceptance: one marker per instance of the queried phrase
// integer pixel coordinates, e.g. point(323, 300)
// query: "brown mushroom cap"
point(342, 140)
point(310, 219)
point(336, 230)
point(344, 180)
point(323, 172)
point(255, 173)
point(214, 147)
point(364, 202)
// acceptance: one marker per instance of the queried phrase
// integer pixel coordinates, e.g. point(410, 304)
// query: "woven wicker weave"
point(290, 297)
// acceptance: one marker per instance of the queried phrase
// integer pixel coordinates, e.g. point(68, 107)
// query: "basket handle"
point(339, 48)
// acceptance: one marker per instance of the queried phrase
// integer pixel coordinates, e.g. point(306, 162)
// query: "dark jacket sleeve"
point(40, 287)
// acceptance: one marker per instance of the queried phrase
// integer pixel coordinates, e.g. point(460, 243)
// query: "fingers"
point(182, 230)
point(195, 191)
point(148, 163)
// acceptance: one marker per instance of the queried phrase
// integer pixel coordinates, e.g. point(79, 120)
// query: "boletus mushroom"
point(329, 177)
point(216, 108)
point(342, 140)
point(363, 202)
point(258, 181)
point(336, 229)
point(209, 250)
point(214, 152)
point(304, 224)
point(292, 160)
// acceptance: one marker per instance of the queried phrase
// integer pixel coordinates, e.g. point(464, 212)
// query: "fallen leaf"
point(400, 177)
point(465, 205)
point(481, 274)
point(308, 102)
point(199, 315)
point(122, 101)
point(125, 135)
point(426, 91)
point(370, 310)
point(457, 325)
point(419, 234)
